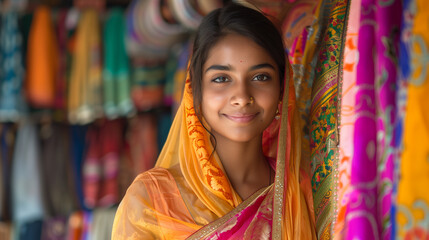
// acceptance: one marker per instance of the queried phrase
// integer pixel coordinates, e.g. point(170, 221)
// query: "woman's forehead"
point(235, 51)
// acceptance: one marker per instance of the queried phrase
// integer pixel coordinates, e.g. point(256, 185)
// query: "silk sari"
point(188, 195)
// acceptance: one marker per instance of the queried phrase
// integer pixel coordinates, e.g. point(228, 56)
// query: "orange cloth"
point(413, 198)
point(42, 60)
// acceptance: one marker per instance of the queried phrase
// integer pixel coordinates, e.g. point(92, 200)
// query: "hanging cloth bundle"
point(60, 101)
point(149, 34)
point(116, 72)
point(85, 97)
point(11, 68)
point(42, 60)
point(59, 191)
point(26, 180)
point(7, 142)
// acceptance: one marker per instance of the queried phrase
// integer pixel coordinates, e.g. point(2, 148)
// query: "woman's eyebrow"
point(262, 65)
point(219, 67)
point(229, 68)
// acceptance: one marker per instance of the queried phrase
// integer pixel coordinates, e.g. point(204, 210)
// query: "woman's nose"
point(241, 95)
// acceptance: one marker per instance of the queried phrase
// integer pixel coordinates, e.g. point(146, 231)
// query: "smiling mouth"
point(241, 118)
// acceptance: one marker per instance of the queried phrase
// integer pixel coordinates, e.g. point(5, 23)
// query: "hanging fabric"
point(412, 212)
point(348, 119)
point(42, 60)
point(116, 71)
point(54, 228)
point(60, 98)
point(7, 146)
point(102, 222)
point(92, 167)
point(186, 13)
point(142, 139)
point(78, 142)
point(75, 226)
point(12, 103)
point(85, 84)
point(149, 35)
point(101, 165)
point(56, 167)
point(111, 135)
point(26, 185)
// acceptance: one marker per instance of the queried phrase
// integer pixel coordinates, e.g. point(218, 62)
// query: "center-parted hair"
point(236, 19)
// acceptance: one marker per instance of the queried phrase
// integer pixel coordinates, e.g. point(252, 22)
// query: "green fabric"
point(323, 114)
point(116, 72)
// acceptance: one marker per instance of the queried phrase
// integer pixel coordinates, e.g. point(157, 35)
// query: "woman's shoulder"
point(154, 175)
point(154, 183)
point(150, 203)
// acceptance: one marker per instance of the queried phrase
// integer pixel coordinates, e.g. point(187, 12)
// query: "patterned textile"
point(303, 56)
point(412, 212)
point(11, 68)
point(368, 214)
point(101, 164)
point(323, 114)
point(111, 143)
point(347, 119)
point(148, 85)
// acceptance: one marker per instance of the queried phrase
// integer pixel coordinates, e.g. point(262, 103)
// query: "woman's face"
point(240, 89)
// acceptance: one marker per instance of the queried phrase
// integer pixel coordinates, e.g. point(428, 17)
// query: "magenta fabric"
point(368, 214)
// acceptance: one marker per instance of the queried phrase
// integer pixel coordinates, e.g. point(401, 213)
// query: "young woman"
point(230, 166)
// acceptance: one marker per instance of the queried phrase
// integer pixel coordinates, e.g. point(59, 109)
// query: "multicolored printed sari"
point(412, 211)
point(317, 57)
point(189, 195)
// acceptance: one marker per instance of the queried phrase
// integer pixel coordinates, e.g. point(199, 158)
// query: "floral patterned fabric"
point(412, 211)
point(323, 116)
point(366, 124)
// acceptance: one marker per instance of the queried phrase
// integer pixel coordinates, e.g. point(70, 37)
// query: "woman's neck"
point(244, 164)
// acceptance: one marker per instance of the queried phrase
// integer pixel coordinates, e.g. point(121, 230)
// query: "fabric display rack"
point(87, 93)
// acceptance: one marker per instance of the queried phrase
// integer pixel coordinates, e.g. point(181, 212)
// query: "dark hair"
point(238, 19)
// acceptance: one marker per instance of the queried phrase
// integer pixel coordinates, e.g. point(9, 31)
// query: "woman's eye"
point(220, 79)
point(261, 77)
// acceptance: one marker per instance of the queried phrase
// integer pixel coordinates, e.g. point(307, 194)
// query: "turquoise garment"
point(116, 72)
point(11, 68)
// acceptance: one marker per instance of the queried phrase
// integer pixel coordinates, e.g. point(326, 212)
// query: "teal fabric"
point(116, 72)
point(11, 68)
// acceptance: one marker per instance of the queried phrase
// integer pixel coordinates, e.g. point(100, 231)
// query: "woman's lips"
point(241, 118)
